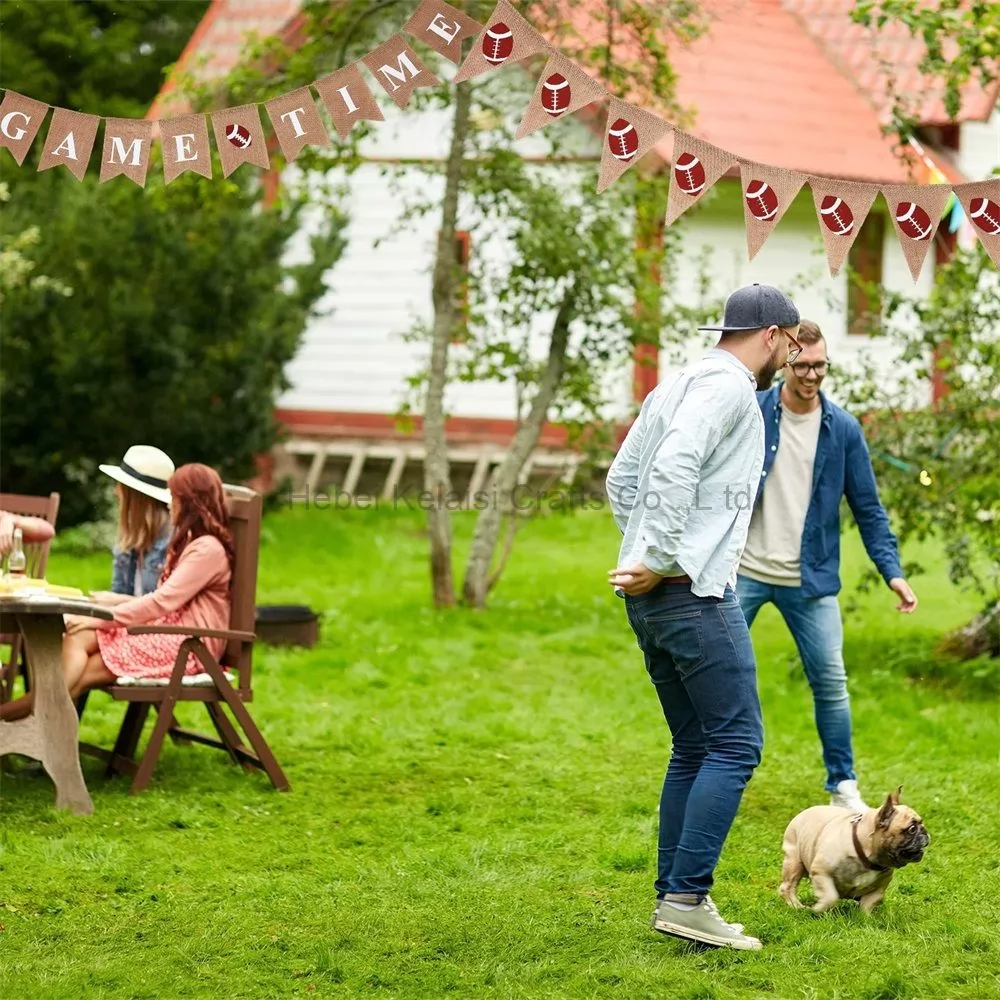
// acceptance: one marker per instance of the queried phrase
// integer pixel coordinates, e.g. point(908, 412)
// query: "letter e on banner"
point(443, 28)
point(185, 146)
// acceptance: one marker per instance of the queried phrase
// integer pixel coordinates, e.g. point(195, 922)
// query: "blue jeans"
point(700, 659)
point(818, 632)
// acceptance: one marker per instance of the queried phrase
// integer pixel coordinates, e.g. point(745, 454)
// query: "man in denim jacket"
point(814, 454)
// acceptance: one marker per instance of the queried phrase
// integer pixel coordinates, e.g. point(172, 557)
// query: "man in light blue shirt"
point(681, 490)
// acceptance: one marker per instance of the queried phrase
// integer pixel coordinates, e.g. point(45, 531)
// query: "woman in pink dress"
point(194, 589)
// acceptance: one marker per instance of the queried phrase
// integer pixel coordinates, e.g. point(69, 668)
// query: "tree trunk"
point(437, 472)
point(981, 637)
point(503, 482)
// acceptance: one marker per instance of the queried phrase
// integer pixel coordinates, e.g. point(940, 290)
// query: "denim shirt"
point(127, 561)
point(681, 487)
point(842, 468)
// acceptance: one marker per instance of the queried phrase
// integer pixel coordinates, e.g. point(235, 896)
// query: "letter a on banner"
point(20, 120)
point(438, 25)
point(70, 141)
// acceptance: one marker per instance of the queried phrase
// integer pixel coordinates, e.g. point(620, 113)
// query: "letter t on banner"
point(296, 122)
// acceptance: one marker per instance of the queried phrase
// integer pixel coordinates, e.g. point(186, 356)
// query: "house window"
point(463, 248)
point(864, 294)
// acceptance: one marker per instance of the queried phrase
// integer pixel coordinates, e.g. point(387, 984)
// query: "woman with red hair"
point(194, 590)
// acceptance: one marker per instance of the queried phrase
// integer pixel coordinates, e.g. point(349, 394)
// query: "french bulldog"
point(850, 855)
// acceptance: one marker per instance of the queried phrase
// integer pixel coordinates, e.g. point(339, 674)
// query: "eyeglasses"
point(803, 368)
point(795, 350)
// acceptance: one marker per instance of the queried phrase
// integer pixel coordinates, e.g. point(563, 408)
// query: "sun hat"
point(145, 469)
point(754, 307)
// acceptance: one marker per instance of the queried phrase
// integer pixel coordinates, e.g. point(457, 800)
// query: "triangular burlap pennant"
point(296, 122)
point(20, 120)
point(70, 141)
point(507, 38)
point(127, 143)
point(629, 134)
point(442, 27)
point(239, 136)
point(842, 207)
point(398, 69)
point(767, 193)
point(697, 165)
point(348, 99)
point(185, 146)
point(981, 201)
point(562, 89)
point(915, 210)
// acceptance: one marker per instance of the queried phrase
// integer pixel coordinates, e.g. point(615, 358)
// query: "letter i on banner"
point(126, 149)
point(296, 122)
point(348, 99)
point(185, 146)
point(70, 141)
point(399, 70)
point(443, 28)
point(20, 120)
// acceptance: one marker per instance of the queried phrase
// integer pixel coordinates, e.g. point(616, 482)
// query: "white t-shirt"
point(774, 544)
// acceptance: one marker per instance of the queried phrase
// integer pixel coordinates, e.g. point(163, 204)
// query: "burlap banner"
point(348, 99)
point(842, 207)
point(296, 122)
point(127, 146)
point(506, 39)
point(562, 89)
point(697, 165)
point(399, 70)
point(70, 141)
point(239, 137)
point(442, 27)
point(981, 201)
point(915, 210)
point(629, 134)
point(20, 120)
point(767, 193)
point(185, 146)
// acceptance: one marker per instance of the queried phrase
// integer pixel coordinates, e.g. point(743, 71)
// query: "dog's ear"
point(888, 809)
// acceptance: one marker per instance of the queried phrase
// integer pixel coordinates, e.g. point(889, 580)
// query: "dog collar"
point(862, 857)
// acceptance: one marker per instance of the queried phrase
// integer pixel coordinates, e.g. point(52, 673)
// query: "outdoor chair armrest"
point(199, 633)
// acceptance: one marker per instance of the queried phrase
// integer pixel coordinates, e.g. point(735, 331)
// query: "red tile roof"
point(869, 56)
point(762, 82)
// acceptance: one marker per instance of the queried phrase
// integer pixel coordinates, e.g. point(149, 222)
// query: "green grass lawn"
point(473, 805)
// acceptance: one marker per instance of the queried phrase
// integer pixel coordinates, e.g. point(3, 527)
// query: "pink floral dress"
point(196, 594)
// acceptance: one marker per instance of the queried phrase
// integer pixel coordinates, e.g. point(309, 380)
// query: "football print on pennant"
point(498, 43)
point(689, 174)
point(238, 136)
point(623, 140)
point(985, 215)
point(913, 221)
point(837, 215)
point(556, 94)
point(762, 201)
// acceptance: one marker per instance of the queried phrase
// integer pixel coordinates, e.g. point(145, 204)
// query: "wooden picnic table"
point(49, 734)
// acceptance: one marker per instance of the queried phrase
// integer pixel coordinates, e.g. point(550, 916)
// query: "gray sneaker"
point(702, 924)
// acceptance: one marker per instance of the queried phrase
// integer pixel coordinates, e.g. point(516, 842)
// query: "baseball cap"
point(755, 306)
